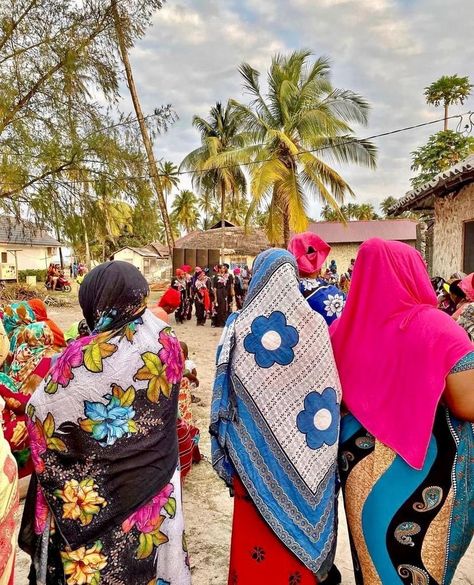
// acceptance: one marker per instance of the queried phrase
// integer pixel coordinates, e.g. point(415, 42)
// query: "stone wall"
point(450, 214)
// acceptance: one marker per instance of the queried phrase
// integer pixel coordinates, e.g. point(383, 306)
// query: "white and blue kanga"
point(275, 411)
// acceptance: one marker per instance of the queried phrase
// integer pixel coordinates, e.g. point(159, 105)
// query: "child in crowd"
point(188, 433)
point(167, 305)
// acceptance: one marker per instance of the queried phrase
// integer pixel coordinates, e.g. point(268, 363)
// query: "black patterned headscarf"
point(112, 295)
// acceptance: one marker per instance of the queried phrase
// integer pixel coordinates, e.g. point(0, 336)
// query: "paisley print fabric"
point(408, 526)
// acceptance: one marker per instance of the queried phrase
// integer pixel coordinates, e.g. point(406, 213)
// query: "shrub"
point(40, 274)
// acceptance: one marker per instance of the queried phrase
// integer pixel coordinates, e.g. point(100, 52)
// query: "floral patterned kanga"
point(319, 420)
point(272, 340)
point(100, 430)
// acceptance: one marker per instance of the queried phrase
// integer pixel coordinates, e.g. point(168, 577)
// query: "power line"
point(249, 163)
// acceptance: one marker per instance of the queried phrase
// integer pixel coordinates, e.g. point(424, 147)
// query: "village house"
point(345, 239)
point(23, 246)
point(153, 261)
point(449, 199)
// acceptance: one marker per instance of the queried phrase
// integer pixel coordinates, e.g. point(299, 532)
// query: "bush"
point(40, 274)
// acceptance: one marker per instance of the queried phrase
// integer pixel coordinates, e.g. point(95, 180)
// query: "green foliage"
point(443, 150)
point(185, 210)
point(220, 136)
point(351, 211)
point(291, 132)
point(39, 273)
point(447, 90)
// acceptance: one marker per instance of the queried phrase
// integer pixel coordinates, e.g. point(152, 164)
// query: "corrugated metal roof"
point(24, 233)
point(356, 232)
point(445, 182)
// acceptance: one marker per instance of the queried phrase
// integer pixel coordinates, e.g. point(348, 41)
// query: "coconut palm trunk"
point(152, 166)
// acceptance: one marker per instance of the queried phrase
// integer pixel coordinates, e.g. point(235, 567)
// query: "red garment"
point(188, 447)
point(171, 298)
point(39, 309)
point(257, 555)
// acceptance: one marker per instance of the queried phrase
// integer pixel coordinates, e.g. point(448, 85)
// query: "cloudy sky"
point(386, 50)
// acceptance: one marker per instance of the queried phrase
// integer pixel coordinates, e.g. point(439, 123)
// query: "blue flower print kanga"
point(271, 340)
point(319, 420)
point(108, 422)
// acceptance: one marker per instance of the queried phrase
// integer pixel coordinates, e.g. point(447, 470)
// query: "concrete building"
point(449, 198)
point(23, 246)
point(345, 239)
point(153, 261)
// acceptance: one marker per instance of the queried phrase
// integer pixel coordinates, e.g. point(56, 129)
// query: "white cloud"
point(387, 50)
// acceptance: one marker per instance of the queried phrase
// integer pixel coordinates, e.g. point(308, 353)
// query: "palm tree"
point(387, 205)
point(365, 211)
point(220, 134)
point(208, 206)
point(448, 90)
point(301, 121)
point(185, 210)
point(169, 175)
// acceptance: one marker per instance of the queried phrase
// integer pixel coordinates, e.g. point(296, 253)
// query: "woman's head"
point(17, 314)
point(456, 292)
point(39, 309)
point(170, 301)
point(112, 295)
point(310, 252)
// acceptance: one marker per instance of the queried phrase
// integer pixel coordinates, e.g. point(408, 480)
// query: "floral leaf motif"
point(51, 387)
point(49, 425)
point(30, 410)
point(95, 352)
point(56, 444)
point(170, 507)
point(145, 547)
point(155, 372)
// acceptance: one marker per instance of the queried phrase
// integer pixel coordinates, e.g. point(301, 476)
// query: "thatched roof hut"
point(233, 240)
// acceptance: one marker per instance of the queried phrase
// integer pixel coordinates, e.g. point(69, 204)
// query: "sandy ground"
point(208, 507)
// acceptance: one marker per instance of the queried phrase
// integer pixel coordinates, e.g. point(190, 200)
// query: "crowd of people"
point(214, 296)
point(368, 388)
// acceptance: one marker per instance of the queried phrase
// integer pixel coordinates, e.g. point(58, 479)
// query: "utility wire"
point(257, 162)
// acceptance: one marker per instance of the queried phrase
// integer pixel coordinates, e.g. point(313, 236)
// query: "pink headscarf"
point(467, 286)
point(394, 348)
point(310, 252)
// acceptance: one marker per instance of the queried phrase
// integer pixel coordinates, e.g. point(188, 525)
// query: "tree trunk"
point(446, 106)
point(84, 227)
point(286, 225)
point(222, 189)
point(152, 166)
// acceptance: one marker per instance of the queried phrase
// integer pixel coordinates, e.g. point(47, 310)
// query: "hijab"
point(112, 295)
point(310, 252)
point(40, 311)
point(394, 348)
point(275, 375)
point(16, 317)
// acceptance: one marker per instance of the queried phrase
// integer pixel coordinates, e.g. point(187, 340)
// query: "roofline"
point(443, 184)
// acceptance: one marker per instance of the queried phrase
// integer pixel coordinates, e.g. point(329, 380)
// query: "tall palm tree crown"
point(220, 133)
point(288, 133)
point(185, 211)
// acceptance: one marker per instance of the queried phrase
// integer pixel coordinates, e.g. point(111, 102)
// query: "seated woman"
point(30, 364)
point(107, 505)
point(407, 374)
point(16, 316)
point(274, 427)
point(310, 252)
point(41, 314)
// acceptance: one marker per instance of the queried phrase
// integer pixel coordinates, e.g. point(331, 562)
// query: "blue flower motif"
point(271, 340)
point(319, 420)
point(108, 422)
